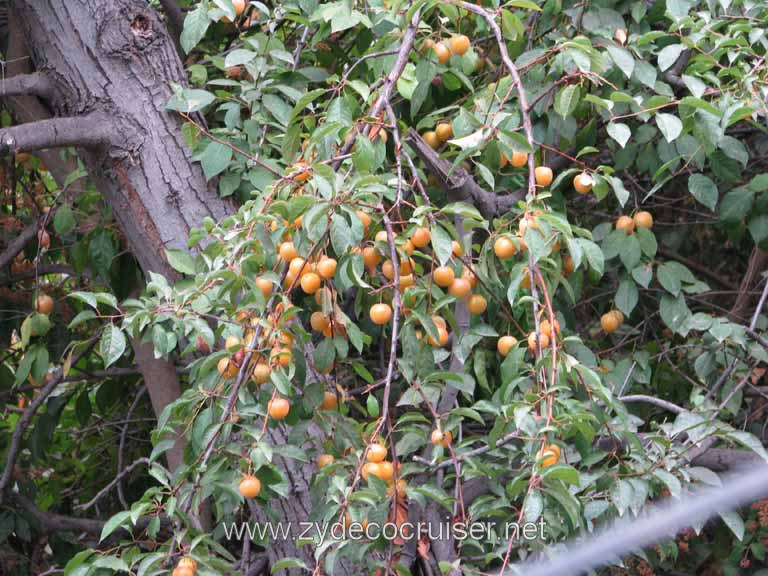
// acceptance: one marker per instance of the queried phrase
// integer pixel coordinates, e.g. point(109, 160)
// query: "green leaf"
point(675, 313)
point(407, 82)
point(534, 506)
point(626, 296)
point(623, 59)
point(181, 261)
point(704, 190)
point(670, 126)
point(112, 345)
point(287, 563)
point(670, 481)
point(619, 132)
point(239, 57)
point(734, 522)
point(526, 4)
point(215, 159)
point(567, 100)
point(364, 155)
point(669, 55)
point(195, 26)
point(668, 278)
point(64, 221)
point(736, 204)
point(341, 234)
point(114, 523)
point(442, 244)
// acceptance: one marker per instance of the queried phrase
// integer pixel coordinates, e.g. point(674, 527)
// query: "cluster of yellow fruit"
point(549, 455)
point(611, 321)
point(458, 44)
point(440, 438)
point(185, 567)
point(439, 136)
point(377, 465)
point(641, 219)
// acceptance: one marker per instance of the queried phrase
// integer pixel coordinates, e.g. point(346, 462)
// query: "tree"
point(393, 262)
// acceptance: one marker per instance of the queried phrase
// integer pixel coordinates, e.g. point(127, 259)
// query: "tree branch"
point(17, 244)
point(653, 400)
point(34, 84)
point(104, 491)
point(175, 17)
point(88, 131)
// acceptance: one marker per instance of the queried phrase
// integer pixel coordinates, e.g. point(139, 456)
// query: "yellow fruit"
point(431, 139)
point(447, 439)
point(477, 304)
point(183, 571)
point(543, 175)
point(370, 469)
point(408, 247)
point(442, 52)
point(250, 486)
point(459, 44)
point(456, 250)
point(386, 471)
point(504, 247)
point(371, 257)
point(261, 373)
point(330, 401)
point(187, 562)
point(44, 304)
point(643, 219)
point(319, 321)
point(239, 6)
point(327, 268)
point(365, 219)
point(298, 267)
point(376, 452)
point(444, 131)
point(281, 356)
point(302, 171)
point(278, 408)
point(460, 288)
point(568, 265)
point(610, 321)
point(429, 44)
point(231, 342)
point(519, 159)
point(546, 327)
point(543, 340)
point(625, 223)
point(381, 236)
point(421, 237)
point(388, 270)
point(227, 369)
point(583, 183)
point(467, 274)
point(503, 160)
point(265, 286)
point(310, 283)
point(287, 251)
point(380, 313)
point(324, 460)
point(443, 276)
point(505, 344)
point(546, 457)
point(442, 337)
point(437, 437)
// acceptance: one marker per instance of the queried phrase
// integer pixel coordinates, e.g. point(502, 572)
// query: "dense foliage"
point(576, 338)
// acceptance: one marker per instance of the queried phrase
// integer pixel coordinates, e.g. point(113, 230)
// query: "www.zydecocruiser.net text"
point(316, 531)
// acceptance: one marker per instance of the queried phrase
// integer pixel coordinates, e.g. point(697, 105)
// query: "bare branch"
point(34, 84)
point(88, 131)
point(17, 244)
point(652, 400)
point(104, 491)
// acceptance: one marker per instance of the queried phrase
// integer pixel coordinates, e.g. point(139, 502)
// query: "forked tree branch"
point(34, 84)
point(88, 131)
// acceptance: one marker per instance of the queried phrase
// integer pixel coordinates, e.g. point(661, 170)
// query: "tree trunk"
point(111, 64)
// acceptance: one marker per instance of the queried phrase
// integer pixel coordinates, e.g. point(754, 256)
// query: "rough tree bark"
point(110, 65)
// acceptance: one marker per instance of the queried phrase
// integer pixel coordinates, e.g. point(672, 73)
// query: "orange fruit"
point(371, 257)
point(505, 344)
point(447, 439)
point(477, 304)
point(583, 183)
point(319, 321)
point(543, 339)
point(625, 223)
point(388, 270)
point(231, 342)
point(287, 251)
point(330, 401)
point(611, 321)
point(443, 276)
point(187, 562)
point(568, 265)
point(281, 356)
point(381, 236)
point(408, 247)
point(546, 327)
point(436, 437)
point(370, 469)
point(444, 131)
point(443, 54)
point(380, 313)
point(456, 250)
point(324, 460)
point(265, 286)
point(467, 274)
point(327, 268)
point(261, 373)
point(278, 408)
point(239, 6)
point(250, 486)
point(376, 452)
point(386, 471)
point(459, 44)
point(519, 159)
point(227, 368)
point(546, 457)
point(428, 44)
point(460, 288)
point(504, 247)
point(421, 237)
point(298, 266)
point(44, 304)
point(643, 219)
point(183, 571)
point(365, 219)
point(431, 139)
point(543, 175)
point(310, 283)
point(442, 337)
